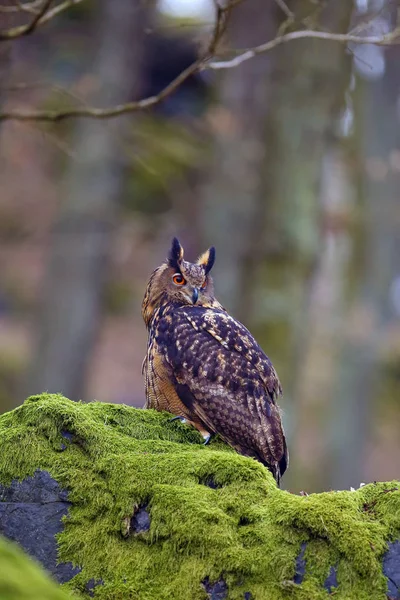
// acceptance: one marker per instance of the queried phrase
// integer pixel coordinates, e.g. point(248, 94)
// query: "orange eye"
point(178, 279)
point(203, 287)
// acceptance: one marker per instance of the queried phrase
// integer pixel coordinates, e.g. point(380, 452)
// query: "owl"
point(205, 367)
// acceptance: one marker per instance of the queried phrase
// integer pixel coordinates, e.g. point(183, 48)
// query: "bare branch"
point(385, 40)
point(40, 13)
point(43, 14)
point(50, 14)
point(220, 25)
point(14, 32)
point(284, 7)
point(202, 63)
point(30, 7)
point(102, 113)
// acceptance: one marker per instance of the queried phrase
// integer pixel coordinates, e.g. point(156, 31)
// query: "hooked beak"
point(195, 295)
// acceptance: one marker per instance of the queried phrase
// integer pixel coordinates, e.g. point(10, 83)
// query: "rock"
point(391, 570)
point(138, 522)
point(30, 514)
point(91, 586)
point(217, 590)
point(300, 570)
point(331, 582)
point(136, 506)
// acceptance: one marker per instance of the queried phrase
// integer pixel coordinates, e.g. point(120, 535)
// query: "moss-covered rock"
point(21, 579)
point(156, 515)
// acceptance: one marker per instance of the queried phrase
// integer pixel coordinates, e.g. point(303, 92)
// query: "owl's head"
point(180, 282)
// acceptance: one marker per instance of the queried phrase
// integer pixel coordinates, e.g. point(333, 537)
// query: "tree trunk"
point(5, 56)
point(311, 78)
point(370, 313)
point(229, 202)
point(262, 202)
point(82, 235)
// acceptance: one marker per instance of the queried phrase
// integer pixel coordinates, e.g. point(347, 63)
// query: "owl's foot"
point(181, 419)
point(208, 438)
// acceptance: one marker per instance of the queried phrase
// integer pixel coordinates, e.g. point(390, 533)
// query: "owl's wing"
point(235, 337)
point(223, 377)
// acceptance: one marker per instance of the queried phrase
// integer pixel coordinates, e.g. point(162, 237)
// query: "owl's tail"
point(273, 452)
point(277, 468)
point(281, 466)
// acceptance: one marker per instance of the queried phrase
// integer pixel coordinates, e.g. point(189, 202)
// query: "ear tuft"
point(175, 256)
point(207, 259)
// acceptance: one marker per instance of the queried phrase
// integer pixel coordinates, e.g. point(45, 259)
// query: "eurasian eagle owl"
point(205, 367)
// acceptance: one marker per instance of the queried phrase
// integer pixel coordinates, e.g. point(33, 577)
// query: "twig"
point(42, 16)
point(50, 14)
point(102, 113)
point(220, 25)
point(14, 32)
point(385, 40)
point(200, 64)
point(40, 13)
point(284, 7)
point(30, 7)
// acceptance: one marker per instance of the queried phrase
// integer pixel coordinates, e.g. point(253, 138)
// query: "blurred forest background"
point(289, 163)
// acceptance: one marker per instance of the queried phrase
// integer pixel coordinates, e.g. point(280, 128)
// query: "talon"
point(207, 439)
point(181, 419)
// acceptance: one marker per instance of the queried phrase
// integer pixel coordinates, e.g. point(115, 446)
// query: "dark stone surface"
point(300, 565)
point(39, 489)
point(140, 521)
point(209, 482)
point(67, 435)
point(217, 590)
point(30, 514)
point(91, 585)
point(391, 569)
point(331, 582)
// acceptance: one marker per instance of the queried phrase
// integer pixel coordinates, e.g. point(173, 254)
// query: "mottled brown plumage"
point(204, 366)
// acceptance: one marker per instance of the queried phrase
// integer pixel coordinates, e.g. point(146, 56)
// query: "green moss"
point(245, 530)
point(21, 579)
